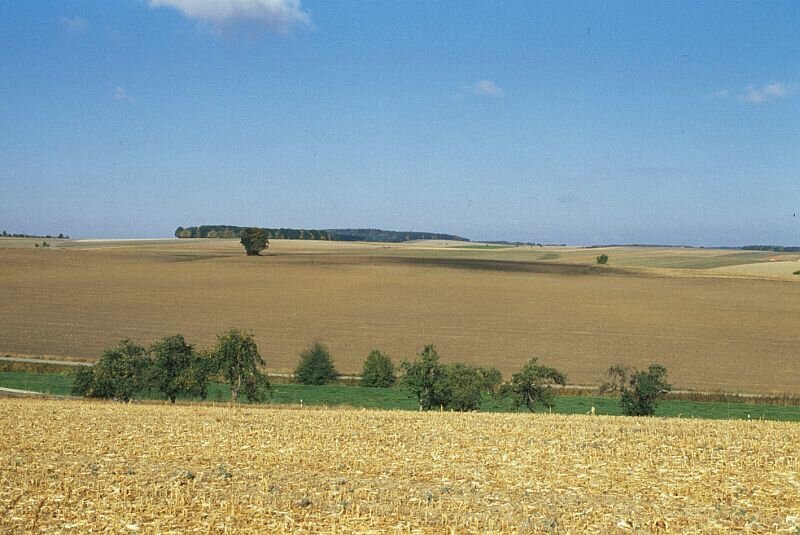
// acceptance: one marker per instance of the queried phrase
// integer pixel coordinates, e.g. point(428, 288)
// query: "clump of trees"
point(254, 240)
point(455, 386)
point(315, 366)
point(640, 391)
point(378, 371)
point(175, 369)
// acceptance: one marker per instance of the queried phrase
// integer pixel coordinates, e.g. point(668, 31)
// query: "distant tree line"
point(5, 234)
point(387, 236)
point(225, 231)
point(773, 248)
point(368, 235)
point(175, 369)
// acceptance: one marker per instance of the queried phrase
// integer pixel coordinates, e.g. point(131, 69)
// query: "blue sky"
point(558, 122)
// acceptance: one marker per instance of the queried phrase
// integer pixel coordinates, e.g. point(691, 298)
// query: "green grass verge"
point(399, 399)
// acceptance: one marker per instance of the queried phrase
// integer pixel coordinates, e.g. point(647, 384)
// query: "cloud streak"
point(753, 94)
point(74, 24)
point(486, 88)
point(121, 94)
point(279, 16)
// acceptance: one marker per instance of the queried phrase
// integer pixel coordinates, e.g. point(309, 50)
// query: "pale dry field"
point(80, 467)
point(495, 307)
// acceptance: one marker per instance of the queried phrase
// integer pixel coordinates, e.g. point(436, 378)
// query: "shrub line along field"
point(496, 307)
point(78, 467)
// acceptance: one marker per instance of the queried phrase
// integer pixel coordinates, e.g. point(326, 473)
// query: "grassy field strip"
point(76, 467)
point(399, 399)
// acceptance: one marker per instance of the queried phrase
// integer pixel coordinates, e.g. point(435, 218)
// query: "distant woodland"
point(5, 234)
point(370, 235)
point(774, 248)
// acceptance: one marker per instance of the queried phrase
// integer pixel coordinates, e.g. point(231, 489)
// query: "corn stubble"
point(76, 467)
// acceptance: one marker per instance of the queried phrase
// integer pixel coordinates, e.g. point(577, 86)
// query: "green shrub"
point(378, 371)
point(315, 366)
point(602, 259)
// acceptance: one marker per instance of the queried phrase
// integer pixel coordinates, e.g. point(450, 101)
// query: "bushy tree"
point(491, 379)
point(425, 379)
point(237, 359)
point(461, 387)
point(640, 392)
point(602, 259)
point(378, 370)
point(83, 383)
point(532, 385)
point(254, 240)
point(176, 369)
point(121, 373)
point(315, 366)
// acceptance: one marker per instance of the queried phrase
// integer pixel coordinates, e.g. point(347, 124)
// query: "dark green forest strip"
point(396, 398)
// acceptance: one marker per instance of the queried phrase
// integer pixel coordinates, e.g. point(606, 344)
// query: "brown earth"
point(712, 333)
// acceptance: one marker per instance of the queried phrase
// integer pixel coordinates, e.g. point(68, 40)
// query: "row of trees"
point(5, 234)
point(176, 369)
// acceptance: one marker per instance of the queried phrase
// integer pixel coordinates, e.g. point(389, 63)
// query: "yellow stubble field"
point(104, 467)
point(712, 330)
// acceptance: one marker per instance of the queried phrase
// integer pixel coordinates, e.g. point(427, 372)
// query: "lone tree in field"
point(176, 369)
point(120, 374)
point(640, 392)
point(532, 385)
point(378, 370)
point(602, 259)
point(425, 379)
point(236, 357)
point(315, 366)
point(254, 240)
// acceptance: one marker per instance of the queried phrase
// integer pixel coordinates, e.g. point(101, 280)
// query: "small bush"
point(796, 272)
point(378, 371)
point(315, 366)
point(602, 259)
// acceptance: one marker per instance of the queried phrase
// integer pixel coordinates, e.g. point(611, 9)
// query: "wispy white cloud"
point(121, 94)
point(486, 88)
point(753, 94)
point(280, 16)
point(74, 24)
point(758, 95)
point(722, 93)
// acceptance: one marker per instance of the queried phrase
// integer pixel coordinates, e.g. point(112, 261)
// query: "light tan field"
point(493, 306)
point(81, 467)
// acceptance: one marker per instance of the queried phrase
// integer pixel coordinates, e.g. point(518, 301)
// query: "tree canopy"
point(532, 385)
point(315, 366)
point(378, 370)
point(237, 359)
point(254, 240)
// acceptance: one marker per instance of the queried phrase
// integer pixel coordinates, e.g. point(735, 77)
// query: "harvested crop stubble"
point(76, 466)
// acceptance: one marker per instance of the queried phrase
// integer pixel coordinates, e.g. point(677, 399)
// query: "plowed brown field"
point(711, 332)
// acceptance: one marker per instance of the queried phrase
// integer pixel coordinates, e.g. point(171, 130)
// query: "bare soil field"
point(81, 467)
point(713, 331)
